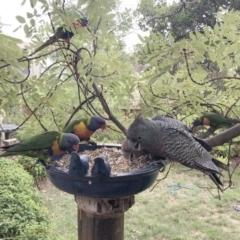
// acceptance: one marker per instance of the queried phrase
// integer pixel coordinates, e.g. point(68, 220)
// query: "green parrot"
point(62, 33)
point(214, 120)
point(85, 127)
point(45, 145)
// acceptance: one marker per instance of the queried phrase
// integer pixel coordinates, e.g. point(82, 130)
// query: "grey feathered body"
point(162, 139)
point(180, 125)
point(172, 121)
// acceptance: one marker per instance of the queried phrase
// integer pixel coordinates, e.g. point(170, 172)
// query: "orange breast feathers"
point(55, 148)
point(82, 131)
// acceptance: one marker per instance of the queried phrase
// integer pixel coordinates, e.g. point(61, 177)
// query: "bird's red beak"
point(75, 147)
point(104, 126)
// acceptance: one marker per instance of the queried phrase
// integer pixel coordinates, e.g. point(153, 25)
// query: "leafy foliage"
point(180, 74)
point(77, 80)
point(36, 169)
point(22, 209)
point(181, 18)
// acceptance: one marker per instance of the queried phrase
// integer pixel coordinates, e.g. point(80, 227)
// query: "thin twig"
point(159, 180)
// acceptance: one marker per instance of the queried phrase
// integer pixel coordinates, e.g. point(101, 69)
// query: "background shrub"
point(36, 169)
point(22, 211)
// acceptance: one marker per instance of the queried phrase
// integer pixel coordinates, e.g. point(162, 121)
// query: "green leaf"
point(192, 36)
point(26, 29)
point(212, 56)
point(29, 15)
point(33, 3)
point(20, 19)
point(23, 2)
point(32, 22)
point(141, 38)
point(206, 31)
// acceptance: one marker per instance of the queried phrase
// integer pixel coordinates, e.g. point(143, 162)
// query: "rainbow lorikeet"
point(162, 139)
point(45, 145)
point(85, 127)
point(214, 120)
point(62, 33)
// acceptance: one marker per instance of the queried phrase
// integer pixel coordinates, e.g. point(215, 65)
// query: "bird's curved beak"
point(132, 145)
point(75, 147)
point(104, 126)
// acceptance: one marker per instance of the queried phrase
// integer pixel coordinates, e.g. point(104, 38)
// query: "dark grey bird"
point(101, 167)
point(79, 165)
point(175, 144)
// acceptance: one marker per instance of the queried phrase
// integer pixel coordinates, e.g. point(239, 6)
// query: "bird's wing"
point(69, 128)
point(180, 146)
point(42, 141)
point(203, 143)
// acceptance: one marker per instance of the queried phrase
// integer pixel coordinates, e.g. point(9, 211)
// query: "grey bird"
point(175, 144)
point(101, 167)
point(180, 125)
point(79, 165)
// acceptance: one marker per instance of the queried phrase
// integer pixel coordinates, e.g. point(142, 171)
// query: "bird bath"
point(102, 199)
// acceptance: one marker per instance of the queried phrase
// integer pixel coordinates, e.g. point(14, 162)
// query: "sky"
point(8, 13)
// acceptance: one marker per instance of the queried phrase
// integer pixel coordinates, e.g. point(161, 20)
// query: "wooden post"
point(102, 218)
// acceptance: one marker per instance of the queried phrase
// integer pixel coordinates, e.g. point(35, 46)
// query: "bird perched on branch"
point(43, 146)
point(175, 144)
point(62, 33)
point(214, 120)
point(85, 127)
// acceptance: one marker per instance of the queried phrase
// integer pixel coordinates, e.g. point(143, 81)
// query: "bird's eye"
point(139, 138)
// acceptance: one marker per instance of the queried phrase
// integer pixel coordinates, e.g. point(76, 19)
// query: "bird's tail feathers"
point(212, 169)
point(216, 180)
point(50, 41)
point(220, 164)
point(233, 121)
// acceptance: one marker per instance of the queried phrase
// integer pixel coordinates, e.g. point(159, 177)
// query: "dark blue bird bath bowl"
point(102, 198)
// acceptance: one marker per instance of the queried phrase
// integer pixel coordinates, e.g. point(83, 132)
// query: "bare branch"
point(33, 112)
point(107, 109)
point(224, 136)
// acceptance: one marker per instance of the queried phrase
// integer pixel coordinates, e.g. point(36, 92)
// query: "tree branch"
point(224, 136)
point(107, 109)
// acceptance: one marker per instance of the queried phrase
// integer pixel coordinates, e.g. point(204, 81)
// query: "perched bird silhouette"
point(62, 33)
point(175, 144)
point(214, 120)
point(101, 167)
point(79, 165)
point(85, 127)
point(45, 145)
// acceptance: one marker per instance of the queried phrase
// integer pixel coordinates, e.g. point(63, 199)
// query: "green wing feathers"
point(42, 141)
point(69, 128)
